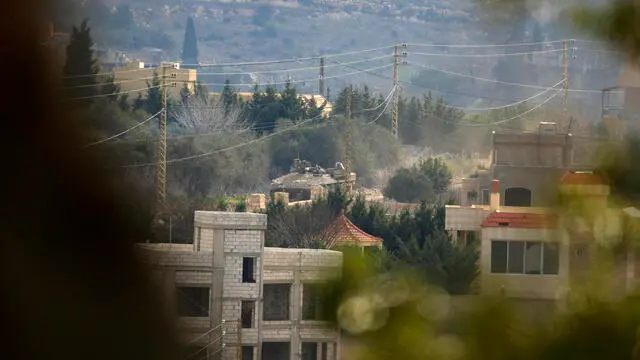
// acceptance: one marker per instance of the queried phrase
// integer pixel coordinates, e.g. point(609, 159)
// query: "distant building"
point(134, 77)
point(621, 103)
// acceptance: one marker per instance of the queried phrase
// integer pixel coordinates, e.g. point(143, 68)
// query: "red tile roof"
point(519, 220)
point(581, 178)
point(343, 232)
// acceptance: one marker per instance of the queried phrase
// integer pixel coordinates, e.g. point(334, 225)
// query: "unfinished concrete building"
point(236, 299)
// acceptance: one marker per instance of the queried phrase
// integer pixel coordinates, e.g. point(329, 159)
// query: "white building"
point(236, 299)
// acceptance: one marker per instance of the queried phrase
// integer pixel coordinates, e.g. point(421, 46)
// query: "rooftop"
point(581, 178)
point(519, 220)
point(343, 232)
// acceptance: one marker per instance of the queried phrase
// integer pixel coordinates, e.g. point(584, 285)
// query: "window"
point(309, 351)
point(199, 238)
point(311, 302)
point(276, 302)
point(192, 301)
point(248, 309)
point(248, 270)
point(524, 257)
point(517, 196)
point(325, 351)
point(485, 197)
point(276, 351)
point(247, 353)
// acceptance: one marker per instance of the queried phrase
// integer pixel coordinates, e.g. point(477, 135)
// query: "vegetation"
point(190, 45)
point(415, 240)
point(424, 181)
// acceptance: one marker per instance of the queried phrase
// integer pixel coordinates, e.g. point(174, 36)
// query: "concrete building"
point(227, 288)
point(621, 103)
point(510, 211)
point(134, 78)
point(542, 253)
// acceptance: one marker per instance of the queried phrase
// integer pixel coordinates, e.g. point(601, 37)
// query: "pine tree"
point(80, 66)
point(229, 97)
point(190, 45)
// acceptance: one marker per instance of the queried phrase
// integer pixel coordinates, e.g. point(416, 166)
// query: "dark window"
point(485, 197)
point(276, 301)
point(517, 196)
point(247, 353)
point(498, 257)
point(311, 302)
point(199, 238)
point(309, 351)
point(247, 313)
point(192, 301)
point(516, 257)
point(248, 270)
point(525, 257)
point(550, 258)
point(276, 351)
point(325, 351)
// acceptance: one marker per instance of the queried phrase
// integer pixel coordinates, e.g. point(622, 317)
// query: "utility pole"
point(394, 104)
point(348, 146)
point(161, 167)
point(565, 74)
point(321, 79)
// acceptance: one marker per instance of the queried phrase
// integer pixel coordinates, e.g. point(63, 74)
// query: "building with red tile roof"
point(343, 232)
point(582, 178)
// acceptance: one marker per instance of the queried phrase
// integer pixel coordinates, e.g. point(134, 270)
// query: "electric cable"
point(123, 132)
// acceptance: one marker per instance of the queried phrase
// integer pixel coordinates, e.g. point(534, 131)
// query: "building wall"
point(522, 285)
point(222, 242)
point(132, 77)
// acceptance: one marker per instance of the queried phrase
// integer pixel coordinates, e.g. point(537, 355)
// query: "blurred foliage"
point(612, 21)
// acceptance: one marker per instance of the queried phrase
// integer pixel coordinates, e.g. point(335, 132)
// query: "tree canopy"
point(190, 45)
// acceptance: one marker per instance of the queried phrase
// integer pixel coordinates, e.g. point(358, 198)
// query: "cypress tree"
point(80, 66)
point(190, 45)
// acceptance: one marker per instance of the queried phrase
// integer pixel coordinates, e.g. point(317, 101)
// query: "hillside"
point(232, 32)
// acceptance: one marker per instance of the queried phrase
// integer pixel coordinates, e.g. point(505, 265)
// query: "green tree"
point(421, 182)
point(190, 45)
point(437, 172)
point(80, 66)
point(229, 97)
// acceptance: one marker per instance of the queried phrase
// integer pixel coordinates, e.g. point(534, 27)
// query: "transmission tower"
point(348, 146)
point(394, 104)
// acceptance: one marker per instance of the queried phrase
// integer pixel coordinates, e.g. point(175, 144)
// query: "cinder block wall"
point(232, 237)
point(297, 267)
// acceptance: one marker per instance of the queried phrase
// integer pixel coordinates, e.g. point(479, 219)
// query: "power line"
point(434, 90)
point(106, 73)
point(386, 103)
point(487, 55)
point(302, 80)
point(113, 94)
point(227, 148)
point(511, 104)
point(478, 78)
point(123, 132)
point(279, 61)
point(108, 82)
point(294, 69)
point(485, 45)
point(471, 124)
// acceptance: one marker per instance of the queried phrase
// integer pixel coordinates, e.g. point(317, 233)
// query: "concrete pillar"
point(495, 195)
